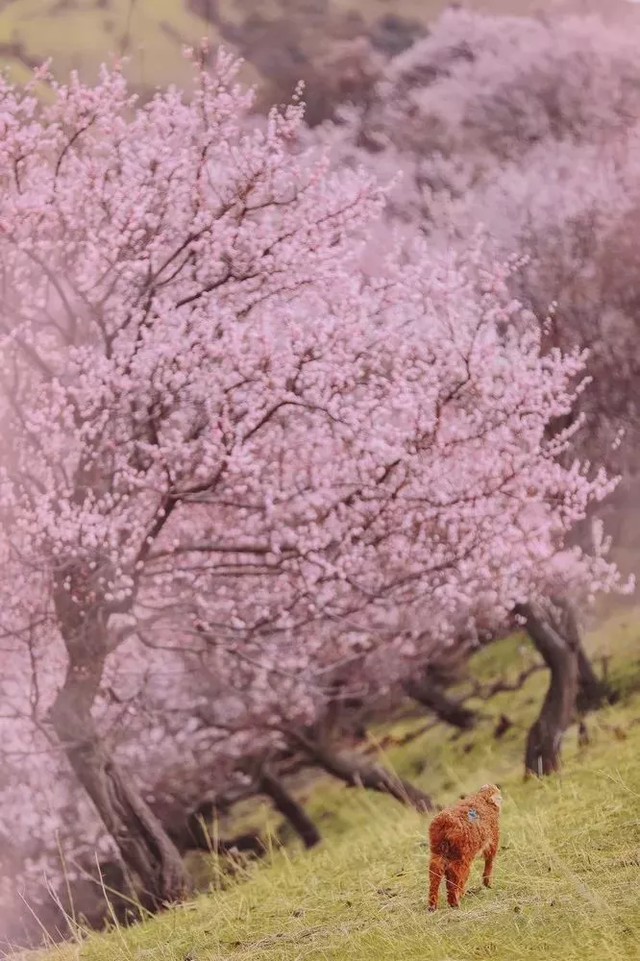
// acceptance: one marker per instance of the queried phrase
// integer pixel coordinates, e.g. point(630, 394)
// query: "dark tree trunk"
point(503, 725)
point(557, 645)
point(356, 773)
point(192, 833)
point(144, 845)
point(593, 692)
point(271, 786)
point(583, 735)
point(427, 692)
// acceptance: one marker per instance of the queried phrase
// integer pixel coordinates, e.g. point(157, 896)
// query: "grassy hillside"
point(566, 882)
point(277, 37)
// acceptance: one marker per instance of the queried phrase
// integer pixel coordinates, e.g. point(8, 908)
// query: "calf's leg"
point(489, 857)
point(456, 874)
point(436, 871)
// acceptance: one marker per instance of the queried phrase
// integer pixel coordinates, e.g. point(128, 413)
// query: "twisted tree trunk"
point(271, 786)
point(593, 691)
point(557, 643)
point(357, 773)
point(192, 833)
point(144, 845)
point(427, 692)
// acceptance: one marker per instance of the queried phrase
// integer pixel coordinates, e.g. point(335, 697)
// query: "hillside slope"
point(566, 876)
point(278, 38)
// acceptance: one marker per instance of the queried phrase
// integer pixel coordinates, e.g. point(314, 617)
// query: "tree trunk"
point(592, 691)
point(191, 833)
point(144, 845)
point(356, 773)
point(274, 788)
point(435, 698)
point(559, 649)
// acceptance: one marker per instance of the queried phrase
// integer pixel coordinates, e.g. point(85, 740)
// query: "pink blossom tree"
point(531, 124)
point(441, 556)
point(574, 209)
point(482, 89)
point(159, 270)
point(222, 426)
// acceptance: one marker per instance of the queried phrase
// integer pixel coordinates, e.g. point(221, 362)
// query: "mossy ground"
point(566, 880)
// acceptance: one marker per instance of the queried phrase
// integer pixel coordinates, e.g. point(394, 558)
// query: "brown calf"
point(457, 835)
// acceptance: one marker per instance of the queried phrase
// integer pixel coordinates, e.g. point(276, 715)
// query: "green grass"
point(566, 879)
point(81, 34)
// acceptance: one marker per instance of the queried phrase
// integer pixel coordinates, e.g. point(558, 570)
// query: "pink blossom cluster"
point(483, 89)
point(528, 125)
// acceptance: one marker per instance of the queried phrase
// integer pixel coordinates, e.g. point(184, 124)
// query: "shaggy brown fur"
point(457, 835)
